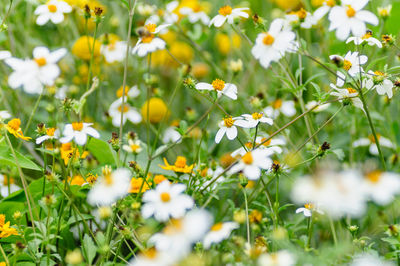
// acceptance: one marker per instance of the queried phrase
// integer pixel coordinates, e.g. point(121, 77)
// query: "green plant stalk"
point(247, 216)
point(310, 225)
point(4, 255)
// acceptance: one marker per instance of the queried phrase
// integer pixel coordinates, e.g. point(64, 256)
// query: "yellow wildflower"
point(180, 165)
point(13, 126)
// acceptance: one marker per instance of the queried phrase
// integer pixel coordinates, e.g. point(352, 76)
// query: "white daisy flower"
point(382, 187)
point(308, 209)
point(152, 257)
point(79, 131)
point(277, 107)
point(271, 46)
point(219, 232)
point(252, 162)
point(131, 93)
point(171, 135)
point(377, 80)
point(280, 258)
point(179, 235)
point(51, 133)
point(130, 113)
point(336, 193)
point(148, 43)
point(222, 88)
point(53, 10)
point(324, 9)
point(5, 54)
point(165, 201)
point(347, 94)
point(272, 145)
point(7, 186)
point(305, 19)
point(370, 141)
point(134, 146)
point(227, 126)
point(110, 187)
point(349, 17)
point(252, 120)
point(318, 109)
point(228, 14)
point(351, 63)
point(366, 38)
point(114, 51)
point(195, 14)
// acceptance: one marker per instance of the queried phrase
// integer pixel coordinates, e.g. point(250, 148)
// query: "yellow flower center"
point(302, 14)
point(218, 84)
point(374, 176)
point(277, 104)
point(309, 206)
point(165, 197)
point(268, 39)
point(108, 179)
point(266, 143)
point(126, 109)
point(350, 11)
point(225, 10)
point(147, 39)
point(134, 147)
point(216, 227)
point(330, 3)
point(151, 27)
point(41, 61)
point(52, 8)
point(257, 116)
point(347, 65)
point(8, 180)
point(351, 90)
point(379, 73)
point(248, 145)
point(14, 124)
point(372, 138)
point(50, 131)
point(228, 121)
point(180, 162)
point(367, 35)
point(174, 226)
point(120, 91)
point(77, 126)
point(150, 253)
point(247, 158)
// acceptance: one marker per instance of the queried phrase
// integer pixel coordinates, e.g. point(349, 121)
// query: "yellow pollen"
point(372, 138)
point(14, 123)
point(216, 227)
point(151, 27)
point(374, 176)
point(134, 147)
point(147, 39)
point(165, 197)
point(228, 121)
point(379, 73)
point(126, 109)
point(50, 131)
point(52, 8)
point(41, 61)
point(257, 116)
point(150, 253)
point(77, 126)
point(174, 226)
point(266, 143)
point(367, 35)
point(180, 162)
point(8, 180)
point(277, 104)
point(350, 11)
point(108, 179)
point(302, 14)
point(330, 3)
point(225, 10)
point(248, 145)
point(309, 206)
point(268, 39)
point(351, 90)
point(247, 158)
point(347, 65)
point(218, 84)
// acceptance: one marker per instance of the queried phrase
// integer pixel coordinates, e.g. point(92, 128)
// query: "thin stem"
point(247, 216)
point(4, 255)
point(333, 230)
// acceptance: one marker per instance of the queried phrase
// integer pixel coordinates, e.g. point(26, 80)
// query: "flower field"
point(197, 132)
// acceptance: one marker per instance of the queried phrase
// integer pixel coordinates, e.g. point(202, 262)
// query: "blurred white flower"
point(148, 42)
point(134, 146)
point(152, 257)
point(324, 9)
point(382, 186)
point(349, 17)
point(165, 201)
point(378, 80)
point(130, 113)
point(280, 258)
point(252, 162)
point(370, 141)
point(252, 120)
point(318, 109)
point(78, 131)
point(271, 46)
point(219, 232)
point(308, 209)
point(110, 187)
point(115, 51)
point(7, 186)
point(4, 115)
point(272, 145)
point(222, 88)
point(367, 38)
point(5, 54)
point(171, 135)
point(228, 14)
point(53, 10)
point(336, 193)
point(195, 14)
point(51, 133)
point(287, 108)
point(369, 259)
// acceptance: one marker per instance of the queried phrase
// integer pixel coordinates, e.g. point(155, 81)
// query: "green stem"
point(247, 216)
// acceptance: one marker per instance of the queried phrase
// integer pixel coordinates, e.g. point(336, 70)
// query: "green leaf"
point(102, 151)
point(89, 249)
point(7, 158)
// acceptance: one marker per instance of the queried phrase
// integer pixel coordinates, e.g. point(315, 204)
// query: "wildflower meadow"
point(198, 132)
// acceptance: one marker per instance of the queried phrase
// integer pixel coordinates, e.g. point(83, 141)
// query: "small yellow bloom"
point(13, 126)
point(157, 110)
point(180, 165)
point(5, 229)
point(83, 46)
point(137, 185)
